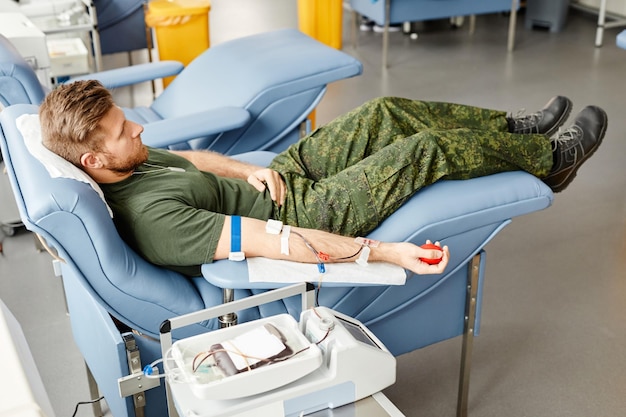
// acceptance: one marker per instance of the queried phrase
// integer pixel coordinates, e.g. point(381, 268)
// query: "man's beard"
point(128, 165)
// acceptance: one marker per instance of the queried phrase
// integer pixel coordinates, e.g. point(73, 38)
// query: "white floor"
point(553, 321)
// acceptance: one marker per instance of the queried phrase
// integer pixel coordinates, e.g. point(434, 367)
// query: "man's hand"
point(270, 179)
point(409, 255)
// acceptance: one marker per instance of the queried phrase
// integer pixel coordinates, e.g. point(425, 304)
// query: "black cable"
point(86, 402)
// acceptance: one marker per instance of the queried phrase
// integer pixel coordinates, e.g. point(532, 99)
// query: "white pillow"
point(30, 128)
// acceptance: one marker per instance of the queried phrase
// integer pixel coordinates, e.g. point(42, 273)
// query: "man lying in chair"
point(176, 207)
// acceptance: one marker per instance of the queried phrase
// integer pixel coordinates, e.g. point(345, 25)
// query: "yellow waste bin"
point(322, 20)
point(181, 28)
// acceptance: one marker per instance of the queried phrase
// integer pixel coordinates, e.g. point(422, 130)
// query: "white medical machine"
point(275, 366)
point(29, 40)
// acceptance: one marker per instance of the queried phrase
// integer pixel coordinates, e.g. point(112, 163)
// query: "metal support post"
point(228, 319)
point(386, 34)
point(134, 366)
point(468, 334)
point(512, 25)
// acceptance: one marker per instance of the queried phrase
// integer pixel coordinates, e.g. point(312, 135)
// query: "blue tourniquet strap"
point(235, 240)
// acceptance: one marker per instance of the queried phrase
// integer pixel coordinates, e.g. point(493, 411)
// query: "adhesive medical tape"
point(365, 254)
point(273, 227)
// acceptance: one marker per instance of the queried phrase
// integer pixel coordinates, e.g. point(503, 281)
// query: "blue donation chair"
point(117, 300)
point(390, 12)
point(251, 93)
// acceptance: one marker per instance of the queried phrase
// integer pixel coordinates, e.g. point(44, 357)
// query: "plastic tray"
point(179, 359)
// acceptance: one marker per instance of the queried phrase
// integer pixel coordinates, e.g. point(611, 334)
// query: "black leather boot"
point(575, 145)
point(546, 121)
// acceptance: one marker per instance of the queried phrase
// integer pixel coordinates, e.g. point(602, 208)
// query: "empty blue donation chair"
point(263, 86)
point(121, 25)
point(390, 12)
point(251, 93)
point(111, 290)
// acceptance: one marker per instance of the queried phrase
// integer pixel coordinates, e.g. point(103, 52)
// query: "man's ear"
point(90, 161)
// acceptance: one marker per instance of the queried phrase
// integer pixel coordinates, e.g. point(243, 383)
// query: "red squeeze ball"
point(428, 260)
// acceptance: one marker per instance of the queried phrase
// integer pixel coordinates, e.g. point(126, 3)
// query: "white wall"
point(229, 19)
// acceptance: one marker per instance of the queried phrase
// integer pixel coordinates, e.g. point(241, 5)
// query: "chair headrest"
point(57, 167)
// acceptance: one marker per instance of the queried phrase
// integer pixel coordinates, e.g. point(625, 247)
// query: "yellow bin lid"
point(178, 7)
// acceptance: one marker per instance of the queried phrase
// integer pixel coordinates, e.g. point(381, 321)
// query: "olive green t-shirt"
point(173, 214)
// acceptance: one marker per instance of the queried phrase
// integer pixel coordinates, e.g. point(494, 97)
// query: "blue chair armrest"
point(133, 74)
point(175, 130)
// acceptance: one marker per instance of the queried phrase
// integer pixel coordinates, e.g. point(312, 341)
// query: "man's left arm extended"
point(303, 243)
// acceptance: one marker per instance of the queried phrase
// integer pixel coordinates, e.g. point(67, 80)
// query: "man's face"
point(123, 149)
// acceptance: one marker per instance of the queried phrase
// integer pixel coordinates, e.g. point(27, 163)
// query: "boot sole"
point(572, 175)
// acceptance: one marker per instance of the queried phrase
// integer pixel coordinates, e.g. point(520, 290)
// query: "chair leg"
point(472, 24)
point(601, 22)
point(94, 393)
point(512, 25)
point(386, 35)
point(468, 334)
point(134, 367)
point(353, 29)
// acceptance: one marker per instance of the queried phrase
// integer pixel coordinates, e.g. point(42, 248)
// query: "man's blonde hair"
point(70, 118)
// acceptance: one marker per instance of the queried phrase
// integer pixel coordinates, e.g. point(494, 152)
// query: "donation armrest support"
point(134, 74)
point(166, 132)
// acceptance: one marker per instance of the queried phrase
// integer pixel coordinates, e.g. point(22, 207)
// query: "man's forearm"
point(303, 243)
point(218, 164)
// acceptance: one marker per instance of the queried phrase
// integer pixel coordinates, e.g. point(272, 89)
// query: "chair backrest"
point(73, 219)
point(278, 76)
point(18, 82)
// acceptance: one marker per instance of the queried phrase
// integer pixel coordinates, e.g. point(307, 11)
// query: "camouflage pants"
point(349, 175)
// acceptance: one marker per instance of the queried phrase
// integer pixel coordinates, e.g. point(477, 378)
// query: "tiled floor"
point(553, 334)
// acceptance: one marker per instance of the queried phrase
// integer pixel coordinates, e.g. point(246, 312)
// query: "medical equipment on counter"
point(328, 360)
